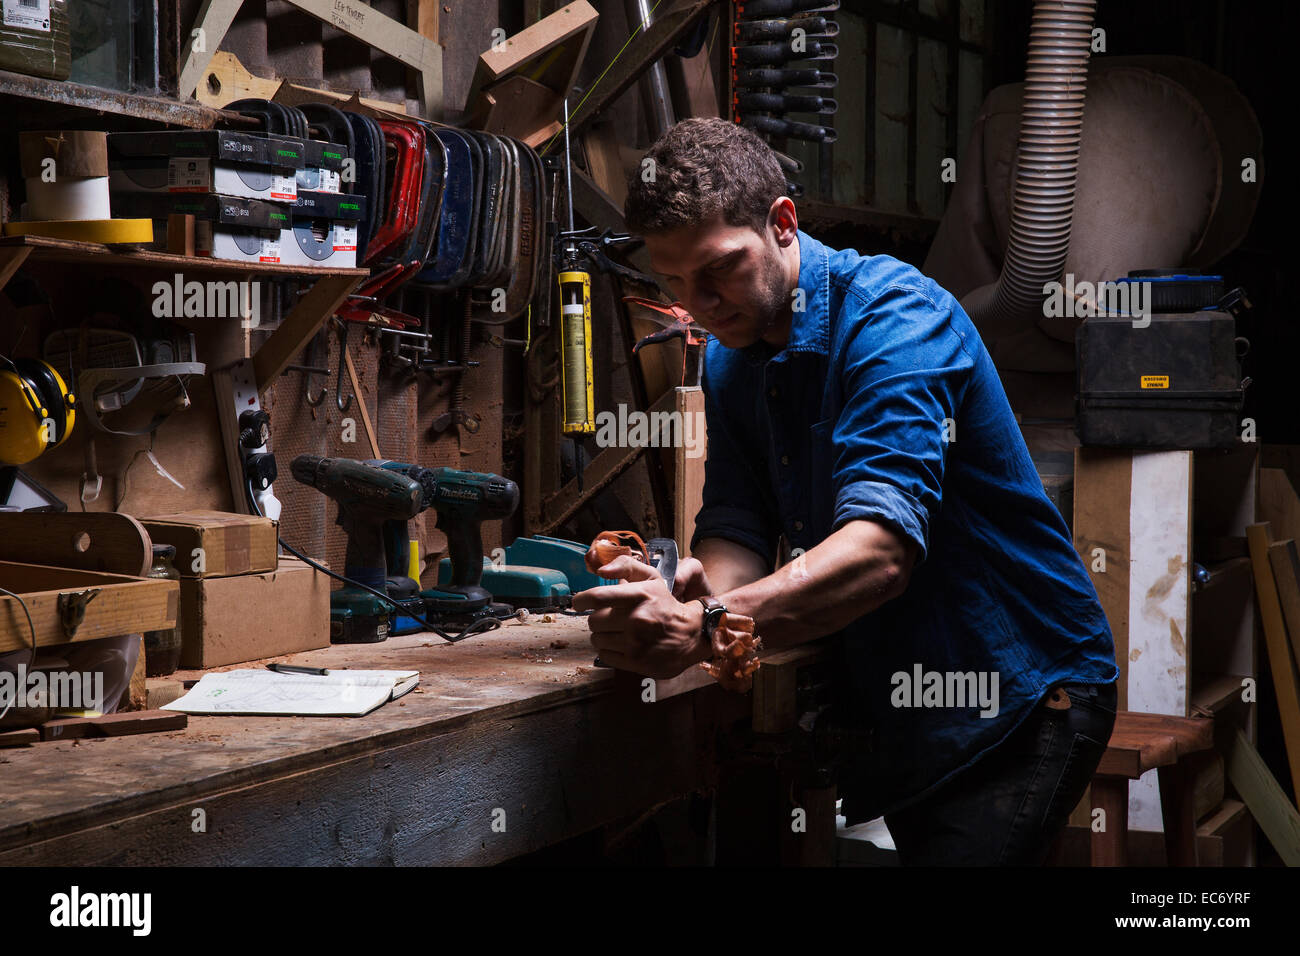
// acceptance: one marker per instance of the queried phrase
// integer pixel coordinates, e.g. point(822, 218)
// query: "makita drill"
point(368, 498)
point(463, 501)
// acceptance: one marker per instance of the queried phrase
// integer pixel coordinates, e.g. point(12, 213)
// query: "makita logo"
point(76, 909)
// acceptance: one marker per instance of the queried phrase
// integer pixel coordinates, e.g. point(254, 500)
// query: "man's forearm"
point(851, 573)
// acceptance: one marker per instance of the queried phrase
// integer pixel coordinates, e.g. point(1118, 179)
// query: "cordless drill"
point(463, 501)
point(367, 499)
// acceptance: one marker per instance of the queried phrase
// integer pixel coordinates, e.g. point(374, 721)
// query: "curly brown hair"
point(702, 167)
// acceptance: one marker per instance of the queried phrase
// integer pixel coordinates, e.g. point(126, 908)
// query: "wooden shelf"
point(95, 101)
point(40, 248)
point(1213, 694)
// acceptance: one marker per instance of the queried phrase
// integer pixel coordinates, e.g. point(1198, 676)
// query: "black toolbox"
point(1173, 383)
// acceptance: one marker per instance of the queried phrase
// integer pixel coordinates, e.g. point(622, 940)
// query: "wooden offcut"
point(1280, 662)
point(114, 725)
point(364, 23)
point(89, 541)
point(1269, 805)
point(688, 471)
point(121, 605)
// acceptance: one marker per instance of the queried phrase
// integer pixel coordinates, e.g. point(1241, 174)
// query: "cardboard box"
point(199, 175)
point(249, 617)
point(226, 146)
point(212, 544)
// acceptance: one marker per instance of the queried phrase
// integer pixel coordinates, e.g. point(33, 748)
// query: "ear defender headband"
point(37, 411)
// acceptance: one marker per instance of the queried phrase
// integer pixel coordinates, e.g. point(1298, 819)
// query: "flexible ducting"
point(1051, 126)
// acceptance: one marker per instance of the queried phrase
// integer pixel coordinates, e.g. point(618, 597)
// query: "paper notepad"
point(340, 693)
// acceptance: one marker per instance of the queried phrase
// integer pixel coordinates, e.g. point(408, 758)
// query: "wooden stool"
point(1142, 742)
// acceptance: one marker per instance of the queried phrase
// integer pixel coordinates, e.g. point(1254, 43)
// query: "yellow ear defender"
point(37, 411)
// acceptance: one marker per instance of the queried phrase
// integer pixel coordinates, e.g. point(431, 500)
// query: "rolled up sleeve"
point(904, 372)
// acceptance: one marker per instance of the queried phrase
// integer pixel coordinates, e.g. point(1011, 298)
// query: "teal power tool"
point(463, 500)
point(368, 499)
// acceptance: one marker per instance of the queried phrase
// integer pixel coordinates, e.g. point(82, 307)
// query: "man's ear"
point(784, 220)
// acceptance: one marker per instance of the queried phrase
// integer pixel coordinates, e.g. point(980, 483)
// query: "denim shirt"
point(885, 406)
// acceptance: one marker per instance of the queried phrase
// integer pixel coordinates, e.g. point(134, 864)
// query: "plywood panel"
point(932, 110)
point(1159, 593)
point(892, 66)
point(849, 175)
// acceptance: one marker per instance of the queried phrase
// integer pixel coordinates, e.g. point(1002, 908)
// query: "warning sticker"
point(1155, 381)
point(28, 14)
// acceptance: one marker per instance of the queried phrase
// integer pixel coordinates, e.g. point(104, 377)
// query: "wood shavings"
point(735, 652)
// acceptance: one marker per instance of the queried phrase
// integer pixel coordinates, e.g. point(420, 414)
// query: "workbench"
point(515, 720)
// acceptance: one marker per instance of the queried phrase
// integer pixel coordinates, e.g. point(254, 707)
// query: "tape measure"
point(105, 231)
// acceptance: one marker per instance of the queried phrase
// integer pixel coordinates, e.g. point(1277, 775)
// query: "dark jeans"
point(1008, 808)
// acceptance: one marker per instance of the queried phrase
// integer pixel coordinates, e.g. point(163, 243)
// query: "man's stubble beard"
point(776, 299)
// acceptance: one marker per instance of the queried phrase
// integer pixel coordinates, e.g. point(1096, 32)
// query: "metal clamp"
point(72, 609)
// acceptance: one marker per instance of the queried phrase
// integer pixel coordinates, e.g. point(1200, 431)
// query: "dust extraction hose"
point(1051, 126)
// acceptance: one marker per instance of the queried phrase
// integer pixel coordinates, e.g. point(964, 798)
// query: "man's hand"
point(690, 581)
point(638, 626)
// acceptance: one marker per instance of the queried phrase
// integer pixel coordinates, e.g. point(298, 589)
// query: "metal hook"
point(306, 392)
point(341, 330)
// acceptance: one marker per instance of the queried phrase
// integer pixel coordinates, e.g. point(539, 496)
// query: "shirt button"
point(785, 459)
point(798, 526)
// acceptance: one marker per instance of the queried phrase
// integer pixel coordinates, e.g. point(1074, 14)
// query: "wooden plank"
point(775, 687)
point(297, 328)
point(699, 94)
point(210, 26)
point(11, 260)
point(90, 541)
point(1266, 800)
point(1279, 653)
point(519, 107)
point(114, 725)
point(1102, 483)
point(602, 470)
point(361, 404)
point(19, 738)
point(162, 690)
point(226, 79)
point(93, 102)
point(604, 163)
point(1286, 574)
point(389, 37)
point(1278, 503)
point(123, 605)
point(550, 52)
point(223, 391)
point(646, 47)
point(46, 249)
point(688, 471)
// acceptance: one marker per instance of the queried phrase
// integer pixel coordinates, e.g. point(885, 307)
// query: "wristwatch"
point(713, 611)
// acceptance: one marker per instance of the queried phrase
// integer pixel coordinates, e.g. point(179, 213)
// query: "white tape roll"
point(68, 198)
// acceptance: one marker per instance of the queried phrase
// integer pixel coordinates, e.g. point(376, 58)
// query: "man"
point(853, 410)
